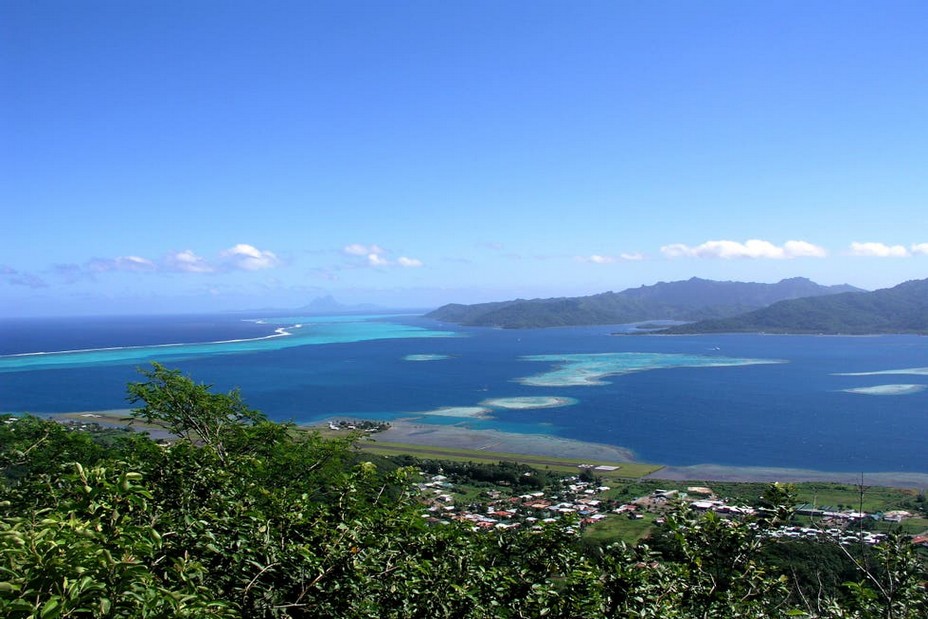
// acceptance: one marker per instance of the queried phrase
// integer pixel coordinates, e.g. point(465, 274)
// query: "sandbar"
point(882, 390)
point(902, 372)
point(529, 402)
point(457, 411)
point(589, 370)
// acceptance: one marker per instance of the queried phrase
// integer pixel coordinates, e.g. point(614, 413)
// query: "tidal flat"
point(461, 442)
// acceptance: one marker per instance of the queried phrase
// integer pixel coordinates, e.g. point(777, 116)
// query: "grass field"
point(617, 528)
point(625, 470)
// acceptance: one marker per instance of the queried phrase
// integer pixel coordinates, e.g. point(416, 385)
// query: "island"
point(694, 299)
point(900, 309)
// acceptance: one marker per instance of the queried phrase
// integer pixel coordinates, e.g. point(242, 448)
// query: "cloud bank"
point(249, 258)
point(187, 261)
point(601, 259)
point(376, 256)
point(881, 250)
point(121, 263)
point(754, 248)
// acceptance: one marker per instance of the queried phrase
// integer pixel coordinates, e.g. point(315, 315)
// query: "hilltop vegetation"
point(901, 309)
point(790, 306)
point(693, 299)
point(243, 517)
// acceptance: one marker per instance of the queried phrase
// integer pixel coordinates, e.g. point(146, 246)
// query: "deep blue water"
point(790, 414)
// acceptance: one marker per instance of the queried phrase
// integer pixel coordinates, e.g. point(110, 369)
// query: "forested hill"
point(901, 309)
point(690, 300)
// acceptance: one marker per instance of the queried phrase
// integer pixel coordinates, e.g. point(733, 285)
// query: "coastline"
point(415, 433)
point(411, 432)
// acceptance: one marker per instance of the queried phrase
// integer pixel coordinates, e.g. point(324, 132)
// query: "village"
point(587, 502)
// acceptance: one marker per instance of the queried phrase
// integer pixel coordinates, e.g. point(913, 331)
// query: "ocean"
point(843, 404)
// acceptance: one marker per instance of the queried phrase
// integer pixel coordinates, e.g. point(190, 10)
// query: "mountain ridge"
point(900, 309)
point(694, 299)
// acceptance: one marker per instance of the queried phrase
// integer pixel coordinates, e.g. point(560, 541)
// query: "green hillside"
point(901, 309)
point(693, 299)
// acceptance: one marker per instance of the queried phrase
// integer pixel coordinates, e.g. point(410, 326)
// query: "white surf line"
point(280, 332)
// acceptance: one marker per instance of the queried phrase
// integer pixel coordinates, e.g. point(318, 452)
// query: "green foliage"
point(191, 410)
point(778, 503)
point(241, 517)
point(519, 477)
point(894, 586)
point(817, 569)
point(96, 552)
point(32, 445)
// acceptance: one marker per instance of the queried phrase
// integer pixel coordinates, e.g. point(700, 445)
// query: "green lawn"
point(875, 498)
point(618, 527)
point(567, 466)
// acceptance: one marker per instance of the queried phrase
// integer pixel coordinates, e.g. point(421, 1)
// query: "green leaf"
point(50, 608)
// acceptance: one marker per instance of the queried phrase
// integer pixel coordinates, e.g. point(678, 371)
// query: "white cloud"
point(403, 261)
point(803, 249)
point(376, 260)
point(187, 262)
point(356, 249)
point(376, 256)
point(121, 263)
point(249, 258)
point(879, 250)
point(754, 248)
point(601, 259)
point(920, 248)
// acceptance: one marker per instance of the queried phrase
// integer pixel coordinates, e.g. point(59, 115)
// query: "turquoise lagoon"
point(774, 401)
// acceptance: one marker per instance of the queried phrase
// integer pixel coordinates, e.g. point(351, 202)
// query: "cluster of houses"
point(584, 500)
point(842, 536)
point(365, 425)
point(498, 512)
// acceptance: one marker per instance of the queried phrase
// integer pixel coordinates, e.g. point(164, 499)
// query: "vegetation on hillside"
point(243, 517)
point(901, 309)
point(693, 299)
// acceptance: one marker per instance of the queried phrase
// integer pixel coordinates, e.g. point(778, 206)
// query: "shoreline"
point(416, 433)
point(408, 431)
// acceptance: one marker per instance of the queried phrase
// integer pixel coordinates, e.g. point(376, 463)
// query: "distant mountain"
point(690, 300)
point(901, 309)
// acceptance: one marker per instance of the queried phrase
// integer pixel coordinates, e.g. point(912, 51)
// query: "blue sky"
point(175, 156)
